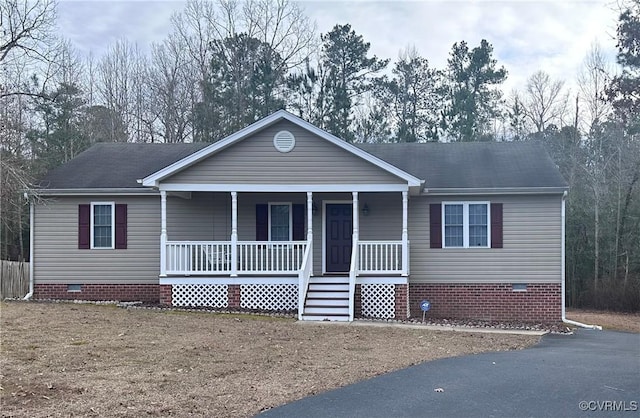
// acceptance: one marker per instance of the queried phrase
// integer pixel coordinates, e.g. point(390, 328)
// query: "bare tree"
point(282, 25)
point(28, 48)
point(27, 39)
point(122, 75)
point(171, 90)
point(69, 66)
point(594, 77)
point(544, 101)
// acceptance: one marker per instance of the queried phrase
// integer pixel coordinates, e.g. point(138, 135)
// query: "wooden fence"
point(14, 279)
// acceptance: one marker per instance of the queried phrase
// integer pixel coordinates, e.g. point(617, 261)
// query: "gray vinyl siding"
point(531, 235)
point(57, 258)
point(254, 160)
point(531, 244)
point(203, 217)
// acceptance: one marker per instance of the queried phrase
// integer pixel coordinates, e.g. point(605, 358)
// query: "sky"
point(549, 35)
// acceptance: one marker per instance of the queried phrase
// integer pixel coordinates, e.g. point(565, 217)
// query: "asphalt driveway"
point(590, 373)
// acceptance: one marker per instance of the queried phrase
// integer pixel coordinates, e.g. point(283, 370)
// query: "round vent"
point(284, 141)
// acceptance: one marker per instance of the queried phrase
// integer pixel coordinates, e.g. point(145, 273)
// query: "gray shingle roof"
point(473, 164)
point(116, 165)
point(457, 165)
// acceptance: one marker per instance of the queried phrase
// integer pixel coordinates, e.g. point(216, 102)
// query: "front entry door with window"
point(338, 237)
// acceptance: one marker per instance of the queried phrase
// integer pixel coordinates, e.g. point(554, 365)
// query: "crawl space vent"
point(284, 141)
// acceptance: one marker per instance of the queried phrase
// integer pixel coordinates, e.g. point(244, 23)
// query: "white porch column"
point(310, 225)
point(356, 218)
point(163, 233)
point(405, 234)
point(234, 234)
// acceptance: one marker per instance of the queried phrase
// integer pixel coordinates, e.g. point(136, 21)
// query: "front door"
point(338, 237)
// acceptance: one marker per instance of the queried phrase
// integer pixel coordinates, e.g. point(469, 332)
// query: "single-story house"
point(283, 216)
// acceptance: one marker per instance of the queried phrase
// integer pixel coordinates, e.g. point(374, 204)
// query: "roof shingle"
point(475, 165)
point(116, 165)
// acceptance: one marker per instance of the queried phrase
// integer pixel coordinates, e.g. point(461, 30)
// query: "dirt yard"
point(97, 360)
point(607, 320)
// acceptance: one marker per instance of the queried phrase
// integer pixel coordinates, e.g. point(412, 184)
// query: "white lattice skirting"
point(200, 295)
point(269, 297)
point(378, 301)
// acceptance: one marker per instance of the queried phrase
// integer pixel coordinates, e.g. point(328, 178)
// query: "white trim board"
point(382, 280)
point(94, 192)
point(270, 280)
point(282, 188)
point(487, 281)
point(492, 191)
point(154, 179)
point(228, 280)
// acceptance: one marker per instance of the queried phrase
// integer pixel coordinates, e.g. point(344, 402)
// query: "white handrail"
point(353, 271)
point(303, 278)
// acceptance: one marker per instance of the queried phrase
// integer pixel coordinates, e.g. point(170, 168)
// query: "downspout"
point(31, 224)
point(563, 272)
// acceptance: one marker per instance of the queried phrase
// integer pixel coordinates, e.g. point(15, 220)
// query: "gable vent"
point(284, 141)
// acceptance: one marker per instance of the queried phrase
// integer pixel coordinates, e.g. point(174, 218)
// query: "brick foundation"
point(490, 302)
point(234, 295)
point(120, 292)
point(357, 302)
point(166, 294)
point(402, 300)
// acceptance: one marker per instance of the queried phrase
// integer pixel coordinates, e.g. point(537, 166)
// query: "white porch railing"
point(265, 258)
point(281, 257)
point(380, 257)
point(214, 257)
point(198, 257)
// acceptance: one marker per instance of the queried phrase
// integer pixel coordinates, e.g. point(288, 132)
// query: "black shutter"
point(262, 222)
point(496, 225)
point(84, 227)
point(121, 227)
point(435, 225)
point(298, 222)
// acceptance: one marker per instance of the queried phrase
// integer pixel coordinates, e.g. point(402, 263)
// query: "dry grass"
point(88, 360)
point(629, 322)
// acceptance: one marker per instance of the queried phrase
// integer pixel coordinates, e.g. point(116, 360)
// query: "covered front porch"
point(319, 244)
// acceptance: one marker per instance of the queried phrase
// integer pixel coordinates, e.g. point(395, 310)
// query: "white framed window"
point(103, 231)
point(466, 225)
point(280, 222)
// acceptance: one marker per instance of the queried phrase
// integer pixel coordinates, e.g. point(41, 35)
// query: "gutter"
point(130, 191)
point(31, 224)
point(444, 191)
point(563, 273)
